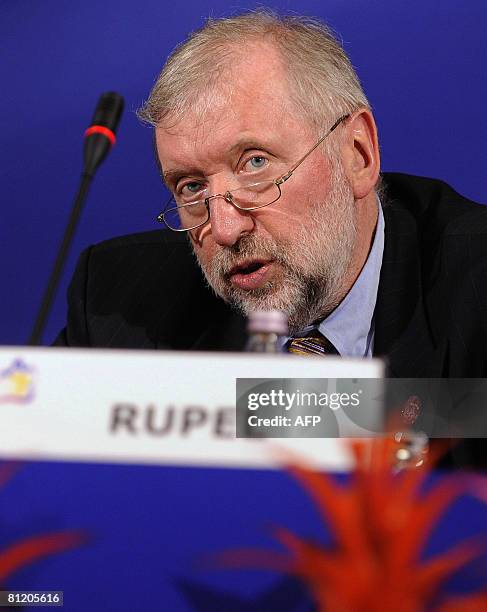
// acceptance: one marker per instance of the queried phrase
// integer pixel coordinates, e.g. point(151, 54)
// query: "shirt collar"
point(350, 327)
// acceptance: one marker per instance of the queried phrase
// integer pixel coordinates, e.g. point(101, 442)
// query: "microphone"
point(100, 136)
point(99, 139)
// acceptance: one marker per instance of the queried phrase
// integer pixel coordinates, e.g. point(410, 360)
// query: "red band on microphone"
point(100, 129)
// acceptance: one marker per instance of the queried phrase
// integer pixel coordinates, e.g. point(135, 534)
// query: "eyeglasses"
point(183, 216)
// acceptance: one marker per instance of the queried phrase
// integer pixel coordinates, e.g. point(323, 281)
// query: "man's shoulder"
point(161, 240)
point(139, 268)
point(143, 253)
point(433, 204)
point(141, 290)
point(431, 313)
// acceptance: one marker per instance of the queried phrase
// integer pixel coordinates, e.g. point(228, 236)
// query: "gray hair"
point(322, 81)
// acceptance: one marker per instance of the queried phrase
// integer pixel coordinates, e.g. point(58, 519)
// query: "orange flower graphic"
point(381, 521)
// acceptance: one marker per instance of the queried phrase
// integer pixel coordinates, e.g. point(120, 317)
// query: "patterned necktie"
point(315, 344)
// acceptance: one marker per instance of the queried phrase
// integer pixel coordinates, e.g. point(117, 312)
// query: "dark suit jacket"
point(146, 290)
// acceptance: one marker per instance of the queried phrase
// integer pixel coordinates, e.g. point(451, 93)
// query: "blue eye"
point(193, 187)
point(257, 162)
point(189, 192)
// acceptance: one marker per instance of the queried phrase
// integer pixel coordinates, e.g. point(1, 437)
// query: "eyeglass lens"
point(254, 195)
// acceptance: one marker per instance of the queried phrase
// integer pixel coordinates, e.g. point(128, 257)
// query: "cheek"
point(290, 212)
point(204, 250)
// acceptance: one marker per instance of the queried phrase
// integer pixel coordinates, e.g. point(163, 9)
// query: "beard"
point(310, 265)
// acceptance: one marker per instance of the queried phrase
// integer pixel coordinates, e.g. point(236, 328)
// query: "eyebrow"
point(247, 143)
point(172, 176)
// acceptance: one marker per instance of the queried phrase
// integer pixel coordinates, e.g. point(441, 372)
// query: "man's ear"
point(360, 153)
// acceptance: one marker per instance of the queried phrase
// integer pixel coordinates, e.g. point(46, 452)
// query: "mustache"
point(248, 246)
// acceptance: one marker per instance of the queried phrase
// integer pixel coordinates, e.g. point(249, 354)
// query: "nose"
point(228, 223)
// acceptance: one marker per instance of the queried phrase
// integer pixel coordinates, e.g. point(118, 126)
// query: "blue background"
point(154, 534)
point(422, 64)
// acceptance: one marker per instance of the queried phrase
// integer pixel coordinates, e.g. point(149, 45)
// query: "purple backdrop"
point(422, 65)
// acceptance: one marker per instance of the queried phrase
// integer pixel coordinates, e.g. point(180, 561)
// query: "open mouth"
point(247, 268)
point(250, 274)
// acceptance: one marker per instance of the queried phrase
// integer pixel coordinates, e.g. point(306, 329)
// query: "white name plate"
point(154, 407)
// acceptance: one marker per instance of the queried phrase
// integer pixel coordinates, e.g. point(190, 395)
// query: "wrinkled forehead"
point(249, 86)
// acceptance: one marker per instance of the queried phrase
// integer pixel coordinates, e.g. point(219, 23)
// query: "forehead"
point(250, 98)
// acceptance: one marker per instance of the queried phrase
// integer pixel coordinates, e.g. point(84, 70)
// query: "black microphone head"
point(100, 136)
point(108, 110)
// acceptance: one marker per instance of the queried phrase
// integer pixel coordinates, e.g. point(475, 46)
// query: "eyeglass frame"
point(228, 197)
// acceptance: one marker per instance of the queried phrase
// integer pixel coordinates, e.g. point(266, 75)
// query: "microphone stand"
point(37, 331)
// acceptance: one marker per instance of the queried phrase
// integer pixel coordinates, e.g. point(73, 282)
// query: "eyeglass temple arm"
point(288, 174)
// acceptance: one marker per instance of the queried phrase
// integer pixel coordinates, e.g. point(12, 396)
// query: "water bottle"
point(265, 327)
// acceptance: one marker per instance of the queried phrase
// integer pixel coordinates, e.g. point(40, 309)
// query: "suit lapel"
point(402, 332)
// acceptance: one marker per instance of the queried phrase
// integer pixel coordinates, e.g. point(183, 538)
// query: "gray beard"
point(312, 264)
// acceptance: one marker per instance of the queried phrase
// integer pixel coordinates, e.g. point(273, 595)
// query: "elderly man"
point(269, 147)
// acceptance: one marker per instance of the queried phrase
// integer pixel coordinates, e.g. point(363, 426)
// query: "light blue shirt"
point(350, 327)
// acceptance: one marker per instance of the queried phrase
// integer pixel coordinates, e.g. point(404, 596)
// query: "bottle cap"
point(267, 322)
